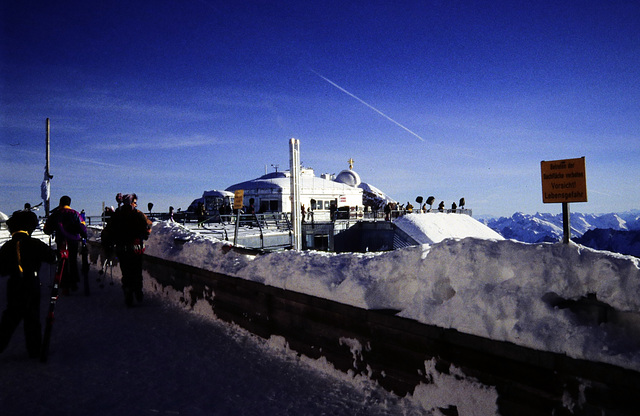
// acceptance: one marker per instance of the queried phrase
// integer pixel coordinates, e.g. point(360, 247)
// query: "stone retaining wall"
point(393, 351)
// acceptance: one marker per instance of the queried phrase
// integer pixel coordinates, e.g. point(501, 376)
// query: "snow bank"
point(505, 290)
point(499, 289)
point(457, 389)
point(433, 227)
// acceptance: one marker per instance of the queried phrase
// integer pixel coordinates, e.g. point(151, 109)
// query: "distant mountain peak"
point(546, 227)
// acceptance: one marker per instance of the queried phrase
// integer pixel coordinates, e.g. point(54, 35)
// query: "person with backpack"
point(32, 217)
point(127, 230)
point(69, 229)
point(20, 259)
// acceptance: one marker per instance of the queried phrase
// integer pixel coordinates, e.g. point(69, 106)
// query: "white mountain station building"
point(272, 192)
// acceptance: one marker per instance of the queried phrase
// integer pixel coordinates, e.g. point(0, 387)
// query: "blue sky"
point(169, 98)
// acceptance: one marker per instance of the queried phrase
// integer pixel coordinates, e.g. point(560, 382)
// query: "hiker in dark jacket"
point(127, 230)
point(69, 228)
point(32, 222)
point(20, 259)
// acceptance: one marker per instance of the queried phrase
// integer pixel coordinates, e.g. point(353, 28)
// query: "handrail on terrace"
point(267, 220)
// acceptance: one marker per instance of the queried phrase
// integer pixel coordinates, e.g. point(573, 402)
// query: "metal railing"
point(380, 215)
point(271, 220)
point(276, 220)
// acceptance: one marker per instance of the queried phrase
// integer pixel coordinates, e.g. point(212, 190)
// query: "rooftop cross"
point(350, 163)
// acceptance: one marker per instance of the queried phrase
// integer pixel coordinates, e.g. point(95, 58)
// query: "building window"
point(269, 205)
point(321, 242)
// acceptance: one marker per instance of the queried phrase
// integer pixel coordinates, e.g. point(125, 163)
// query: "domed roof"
point(348, 177)
point(216, 192)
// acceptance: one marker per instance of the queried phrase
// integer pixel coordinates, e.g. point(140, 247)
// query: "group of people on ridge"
point(22, 256)
point(392, 209)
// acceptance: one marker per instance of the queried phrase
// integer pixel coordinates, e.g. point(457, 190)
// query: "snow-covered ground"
point(159, 359)
point(432, 228)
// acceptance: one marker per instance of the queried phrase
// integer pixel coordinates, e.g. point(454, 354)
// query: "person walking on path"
point(69, 229)
point(127, 230)
point(20, 259)
point(201, 212)
point(31, 217)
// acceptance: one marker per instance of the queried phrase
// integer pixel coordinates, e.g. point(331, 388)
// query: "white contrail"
point(365, 103)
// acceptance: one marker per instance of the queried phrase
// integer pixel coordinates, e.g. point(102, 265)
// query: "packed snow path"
point(157, 359)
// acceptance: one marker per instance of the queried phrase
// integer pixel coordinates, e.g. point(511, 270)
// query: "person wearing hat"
point(69, 229)
point(127, 230)
point(20, 259)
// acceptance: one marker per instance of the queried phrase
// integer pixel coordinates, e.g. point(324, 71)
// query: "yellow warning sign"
point(238, 199)
point(564, 180)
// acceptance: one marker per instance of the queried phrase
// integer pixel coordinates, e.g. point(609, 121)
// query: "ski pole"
point(85, 267)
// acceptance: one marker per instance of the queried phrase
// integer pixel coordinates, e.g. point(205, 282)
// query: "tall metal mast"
point(294, 161)
point(46, 192)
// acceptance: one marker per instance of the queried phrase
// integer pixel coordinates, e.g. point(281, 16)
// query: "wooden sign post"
point(564, 181)
point(238, 204)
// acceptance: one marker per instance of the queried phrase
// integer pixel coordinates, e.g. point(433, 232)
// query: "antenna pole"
point(294, 162)
point(46, 194)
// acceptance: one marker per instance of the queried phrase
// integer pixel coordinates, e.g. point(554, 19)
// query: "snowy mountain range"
point(619, 232)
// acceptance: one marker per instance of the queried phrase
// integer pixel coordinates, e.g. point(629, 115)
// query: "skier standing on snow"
point(21, 258)
point(69, 229)
point(127, 230)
